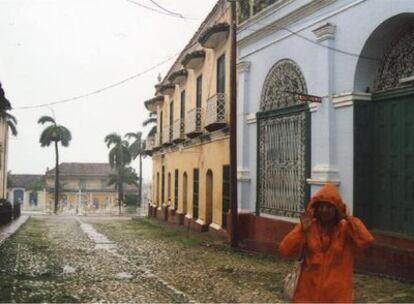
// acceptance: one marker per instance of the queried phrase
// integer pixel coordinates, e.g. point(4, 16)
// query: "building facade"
point(326, 95)
point(29, 191)
point(84, 188)
point(190, 150)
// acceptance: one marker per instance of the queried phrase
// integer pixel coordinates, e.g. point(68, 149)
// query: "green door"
point(384, 161)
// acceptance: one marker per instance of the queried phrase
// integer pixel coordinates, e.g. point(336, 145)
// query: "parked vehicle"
point(6, 211)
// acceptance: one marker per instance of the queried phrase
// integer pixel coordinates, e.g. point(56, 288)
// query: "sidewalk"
point(8, 230)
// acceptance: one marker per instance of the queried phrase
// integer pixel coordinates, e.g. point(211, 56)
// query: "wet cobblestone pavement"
point(53, 259)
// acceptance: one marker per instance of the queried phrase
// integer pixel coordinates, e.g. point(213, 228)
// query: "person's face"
point(326, 212)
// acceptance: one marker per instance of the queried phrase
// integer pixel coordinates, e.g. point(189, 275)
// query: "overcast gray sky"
point(57, 49)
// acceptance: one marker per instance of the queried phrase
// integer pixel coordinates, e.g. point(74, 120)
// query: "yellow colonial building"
point(84, 188)
point(190, 150)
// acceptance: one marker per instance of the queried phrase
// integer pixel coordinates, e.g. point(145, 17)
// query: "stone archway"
point(384, 128)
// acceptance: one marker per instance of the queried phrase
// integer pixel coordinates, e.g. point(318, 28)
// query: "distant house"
point(28, 190)
point(84, 188)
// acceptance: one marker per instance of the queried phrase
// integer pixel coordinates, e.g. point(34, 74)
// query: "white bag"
point(292, 279)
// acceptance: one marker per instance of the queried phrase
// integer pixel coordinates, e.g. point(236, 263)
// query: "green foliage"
point(119, 155)
point(53, 133)
point(127, 175)
point(5, 106)
point(131, 199)
point(136, 148)
point(37, 185)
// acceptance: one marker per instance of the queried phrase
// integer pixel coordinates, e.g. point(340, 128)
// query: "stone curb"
point(11, 228)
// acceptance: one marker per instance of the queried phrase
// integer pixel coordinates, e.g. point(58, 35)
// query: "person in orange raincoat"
point(331, 239)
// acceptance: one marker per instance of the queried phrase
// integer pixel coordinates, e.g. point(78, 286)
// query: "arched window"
point(283, 82)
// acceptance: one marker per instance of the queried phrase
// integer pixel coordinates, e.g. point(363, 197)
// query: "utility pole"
point(233, 129)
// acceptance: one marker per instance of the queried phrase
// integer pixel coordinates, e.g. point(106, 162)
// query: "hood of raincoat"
point(328, 193)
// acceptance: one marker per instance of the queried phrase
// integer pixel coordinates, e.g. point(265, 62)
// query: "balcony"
point(167, 136)
point(149, 144)
point(194, 60)
point(178, 77)
point(178, 130)
point(216, 112)
point(167, 89)
point(193, 123)
point(215, 36)
point(152, 103)
point(157, 141)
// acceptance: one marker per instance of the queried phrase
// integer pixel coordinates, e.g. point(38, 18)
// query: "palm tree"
point(129, 177)
point(119, 157)
point(137, 148)
point(54, 133)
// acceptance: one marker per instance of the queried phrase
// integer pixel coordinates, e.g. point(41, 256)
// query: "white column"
point(243, 170)
point(323, 141)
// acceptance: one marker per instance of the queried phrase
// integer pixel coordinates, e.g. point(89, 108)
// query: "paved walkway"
point(88, 259)
point(8, 230)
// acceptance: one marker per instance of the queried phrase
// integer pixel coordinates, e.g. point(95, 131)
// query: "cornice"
point(347, 99)
point(295, 15)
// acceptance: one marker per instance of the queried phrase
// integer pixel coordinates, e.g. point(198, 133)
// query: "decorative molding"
point(347, 99)
point(215, 226)
point(406, 80)
point(200, 222)
point(284, 78)
point(313, 107)
point(251, 118)
point(312, 181)
point(325, 32)
point(322, 174)
point(302, 28)
point(243, 67)
point(243, 174)
point(284, 21)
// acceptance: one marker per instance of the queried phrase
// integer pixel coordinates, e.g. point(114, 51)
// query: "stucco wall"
point(329, 68)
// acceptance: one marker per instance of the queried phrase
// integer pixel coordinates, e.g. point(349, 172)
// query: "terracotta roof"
point(86, 169)
point(23, 180)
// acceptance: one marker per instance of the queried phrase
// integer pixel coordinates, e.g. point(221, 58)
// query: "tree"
point(11, 122)
point(54, 133)
point(137, 148)
point(119, 157)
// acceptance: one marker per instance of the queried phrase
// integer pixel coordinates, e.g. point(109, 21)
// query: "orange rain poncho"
point(327, 270)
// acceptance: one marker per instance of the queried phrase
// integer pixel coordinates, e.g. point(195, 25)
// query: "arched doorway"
point(209, 197)
point(185, 193)
point(283, 142)
point(384, 129)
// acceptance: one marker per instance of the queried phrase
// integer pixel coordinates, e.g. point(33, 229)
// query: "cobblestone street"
point(70, 259)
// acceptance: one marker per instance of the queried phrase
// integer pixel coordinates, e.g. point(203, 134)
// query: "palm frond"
point(64, 135)
point(12, 127)
point(11, 118)
point(149, 121)
point(44, 119)
point(47, 136)
point(153, 131)
point(112, 138)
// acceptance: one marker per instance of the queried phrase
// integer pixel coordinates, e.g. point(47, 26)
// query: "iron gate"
point(283, 161)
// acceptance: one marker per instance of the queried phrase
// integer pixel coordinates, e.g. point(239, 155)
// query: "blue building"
point(325, 94)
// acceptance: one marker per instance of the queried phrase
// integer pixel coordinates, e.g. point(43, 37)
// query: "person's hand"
point(306, 221)
point(343, 214)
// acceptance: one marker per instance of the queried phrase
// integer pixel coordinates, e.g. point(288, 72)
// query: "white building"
point(358, 56)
